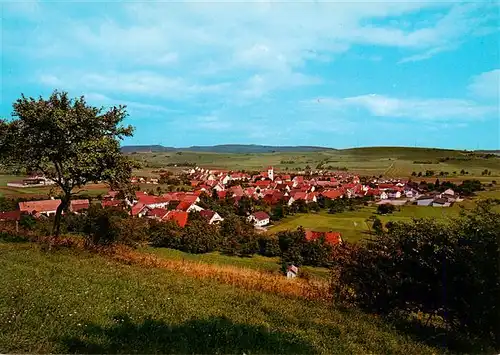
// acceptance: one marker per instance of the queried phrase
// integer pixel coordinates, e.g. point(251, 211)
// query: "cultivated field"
point(73, 301)
point(391, 162)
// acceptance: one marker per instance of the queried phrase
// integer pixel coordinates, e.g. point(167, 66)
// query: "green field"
point(256, 262)
point(42, 192)
point(66, 301)
point(353, 225)
point(388, 161)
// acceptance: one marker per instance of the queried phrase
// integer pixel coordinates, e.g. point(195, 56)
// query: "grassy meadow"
point(69, 301)
point(353, 224)
point(41, 191)
point(256, 262)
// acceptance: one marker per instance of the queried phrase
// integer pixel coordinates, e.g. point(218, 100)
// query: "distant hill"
point(255, 148)
point(224, 148)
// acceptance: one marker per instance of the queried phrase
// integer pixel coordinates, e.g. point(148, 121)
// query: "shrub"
point(385, 208)
point(269, 245)
point(101, 225)
point(200, 237)
point(165, 234)
point(238, 236)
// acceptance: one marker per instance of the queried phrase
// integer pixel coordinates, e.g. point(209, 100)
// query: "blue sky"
point(337, 74)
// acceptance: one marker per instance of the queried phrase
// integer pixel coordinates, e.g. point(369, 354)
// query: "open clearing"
point(67, 301)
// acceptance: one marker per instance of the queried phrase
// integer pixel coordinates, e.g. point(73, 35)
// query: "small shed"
point(292, 271)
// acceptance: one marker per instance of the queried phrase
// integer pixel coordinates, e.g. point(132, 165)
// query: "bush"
point(238, 236)
point(385, 208)
point(200, 237)
point(165, 234)
point(102, 225)
point(269, 245)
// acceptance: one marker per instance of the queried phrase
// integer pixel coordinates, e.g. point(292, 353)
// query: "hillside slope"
point(69, 302)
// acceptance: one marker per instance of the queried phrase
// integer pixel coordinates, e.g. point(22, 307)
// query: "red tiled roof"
point(180, 217)
point(208, 214)
point(78, 205)
point(260, 215)
point(183, 206)
point(332, 238)
point(332, 194)
point(221, 194)
point(263, 183)
point(10, 216)
point(113, 203)
point(39, 206)
point(157, 212)
point(137, 208)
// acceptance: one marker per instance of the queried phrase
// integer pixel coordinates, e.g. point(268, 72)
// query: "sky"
point(337, 73)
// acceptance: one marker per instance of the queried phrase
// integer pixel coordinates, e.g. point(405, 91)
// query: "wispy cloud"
point(486, 85)
point(412, 108)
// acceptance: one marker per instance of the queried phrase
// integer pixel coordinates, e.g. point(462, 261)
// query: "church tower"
point(270, 173)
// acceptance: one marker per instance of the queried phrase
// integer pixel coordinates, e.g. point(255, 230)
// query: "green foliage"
point(377, 226)
point(269, 245)
point(7, 204)
point(68, 141)
point(102, 226)
point(166, 234)
point(238, 236)
point(200, 237)
point(446, 270)
point(385, 208)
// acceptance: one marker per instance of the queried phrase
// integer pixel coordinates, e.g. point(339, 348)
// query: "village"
point(269, 188)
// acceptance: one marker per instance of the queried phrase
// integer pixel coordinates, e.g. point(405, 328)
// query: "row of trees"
point(444, 270)
point(234, 236)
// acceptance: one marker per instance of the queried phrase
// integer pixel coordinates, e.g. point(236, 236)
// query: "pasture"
point(73, 301)
point(354, 225)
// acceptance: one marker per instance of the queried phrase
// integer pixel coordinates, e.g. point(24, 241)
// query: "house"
point(156, 213)
point(259, 218)
point(292, 271)
point(10, 216)
point(111, 203)
point(45, 207)
point(188, 206)
point(78, 206)
point(449, 192)
point(211, 216)
point(393, 193)
point(179, 217)
point(425, 200)
point(332, 238)
point(441, 202)
point(384, 195)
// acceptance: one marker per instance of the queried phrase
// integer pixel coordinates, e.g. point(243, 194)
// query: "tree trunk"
point(56, 229)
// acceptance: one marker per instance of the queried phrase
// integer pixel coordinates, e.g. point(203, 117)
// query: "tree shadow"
point(215, 335)
point(439, 337)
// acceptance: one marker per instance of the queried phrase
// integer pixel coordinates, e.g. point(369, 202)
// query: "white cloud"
point(486, 85)
point(137, 83)
point(140, 107)
point(415, 108)
point(259, 39)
